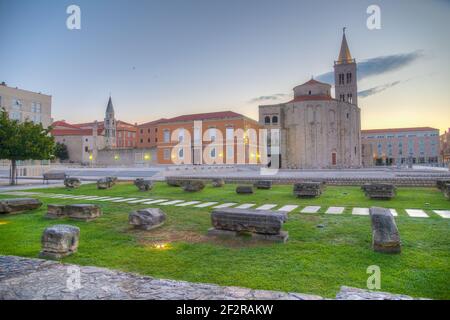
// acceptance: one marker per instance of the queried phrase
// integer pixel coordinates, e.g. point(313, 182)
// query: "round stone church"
point(316, 130)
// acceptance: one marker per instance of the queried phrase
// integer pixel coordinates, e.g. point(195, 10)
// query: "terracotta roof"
point(62, 123)
point(398, 130)
point(311, 98)
point(205, 116)
point(120, 125)
point(71, 132)
point(313, 81)
point(152, 122)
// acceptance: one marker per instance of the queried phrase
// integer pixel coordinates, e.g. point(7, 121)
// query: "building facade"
point(314, 130)
point(26, 105)
point(215, 125)
point(399, 146)
point(147, 134)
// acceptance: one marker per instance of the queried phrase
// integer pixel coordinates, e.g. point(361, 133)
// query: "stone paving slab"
point(156, 201)
point(266, 207)
point(416, 213)
point(206, 204)
point(310, 209)
point(140, 200)
point(225, 205)
point(443, 213)
point(335, 210)
point(189, 203)
point(394, 212)
point(288, 208)
point(170, 203)
point(246, 206)
point(360, 211)
point(124, 200)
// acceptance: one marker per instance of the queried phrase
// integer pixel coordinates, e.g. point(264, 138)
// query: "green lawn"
point(314, 260)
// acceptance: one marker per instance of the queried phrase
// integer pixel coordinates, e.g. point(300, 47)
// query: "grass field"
point(314, 260)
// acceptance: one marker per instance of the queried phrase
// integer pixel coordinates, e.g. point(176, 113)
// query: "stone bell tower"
point(110, 126)
point(345, 80)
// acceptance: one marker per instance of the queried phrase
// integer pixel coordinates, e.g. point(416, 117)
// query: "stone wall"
point(126, 157)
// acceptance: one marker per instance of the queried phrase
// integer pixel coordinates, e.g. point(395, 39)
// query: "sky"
point(163, 58)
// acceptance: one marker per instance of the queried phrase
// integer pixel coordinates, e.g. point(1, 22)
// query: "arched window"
point(267, 120)
point(275, 119)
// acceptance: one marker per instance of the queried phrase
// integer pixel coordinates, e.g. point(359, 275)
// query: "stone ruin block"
point(244, 189)
point(440, 184)
point(72, 183)
point(55, 211)
point(382, 191)
point(174, 182)
point(193, 185)
point(143, 185)
point(59, 241)
point(446, 190)
point(263, 184)
point(308, 189)
point(218, 182)
point(83, 212)
point(16, 205)
point(105, 183)
point(147, 219)
point(385, 236)
point(259, 224)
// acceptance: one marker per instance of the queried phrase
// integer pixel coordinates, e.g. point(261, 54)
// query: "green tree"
point(21, 141)
point(61, 151)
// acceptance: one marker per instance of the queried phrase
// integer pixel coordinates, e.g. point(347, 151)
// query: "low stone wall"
point(37, 279)
point(400, 181)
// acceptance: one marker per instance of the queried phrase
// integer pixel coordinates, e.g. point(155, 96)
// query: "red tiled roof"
point(205, 116)
point(62, 123)
point(398, 130)
point(71, 132)
point(311, 98)
point(152, 122)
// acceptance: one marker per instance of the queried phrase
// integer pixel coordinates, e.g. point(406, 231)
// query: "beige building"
point(314, 129)
point(23, 104)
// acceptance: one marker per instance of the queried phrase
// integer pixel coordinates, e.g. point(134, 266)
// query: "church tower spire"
point(345, 80)
point(110, 126)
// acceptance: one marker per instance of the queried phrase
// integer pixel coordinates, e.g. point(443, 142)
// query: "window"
point(36, 107)
point(267, 120)
point(213, 134)
point(348, 115)
point(350, 97)
point(142, 140)
point(181, 153)
point(213, 153)
point(142, 131)
point(148, 140)
point(166, 154)
point(181, 135)
point(309, 92)
point(148, 130)
point(341, 78)
point(86, 149)
point(349, 78)
point(230, 140)
point(166, 134)
point(16, 104)
point(342, 97)
point(274, 119)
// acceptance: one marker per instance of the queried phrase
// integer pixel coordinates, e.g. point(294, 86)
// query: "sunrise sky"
point(172, 57)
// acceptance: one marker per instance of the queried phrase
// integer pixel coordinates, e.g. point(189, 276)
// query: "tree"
point(61, 151)
point(21, 141)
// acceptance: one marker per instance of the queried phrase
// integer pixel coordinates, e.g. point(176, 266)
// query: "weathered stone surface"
point(263, 184)
point(112, 179)
point(55, 211)
point(37, 279)
point(18, 205)
point(217, 183)
point(384, 191)
point(263, 224)
point(72, 183)
point(193, 185)
point(308, 189)
point(143, 185)
point(147, 219)
point(84, 212)
point(104, 183)
point(446, 190)
point(244, 189)
point(385, 236)
point(174, 182)
point(348, 293)
point(59, 241)
point(440, 183)
point(54, 176)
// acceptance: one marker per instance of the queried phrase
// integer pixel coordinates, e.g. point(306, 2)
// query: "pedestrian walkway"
point(292, 208)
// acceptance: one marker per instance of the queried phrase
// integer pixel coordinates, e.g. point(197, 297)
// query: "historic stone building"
point(316, 130)
point(110, 126)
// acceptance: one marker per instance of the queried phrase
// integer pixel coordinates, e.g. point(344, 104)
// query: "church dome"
point(313, 89)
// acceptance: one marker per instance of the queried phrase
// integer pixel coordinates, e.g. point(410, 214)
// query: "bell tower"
point(345, 80)
point(110, 126)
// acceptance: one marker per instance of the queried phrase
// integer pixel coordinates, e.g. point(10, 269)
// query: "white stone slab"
point(246, 206)
point(139, 200)
point(416, 213)
point(360, 211)
point(288, 208)
point(393, 212)
point(124, 200)
point(169, 203)
point(189, 203)
point(111, 198)
point(443, 213)
point(156, 201)
point(266, 207)
point(205, 204)
point(225, 205)
point(310, 209)
point(335, 210)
